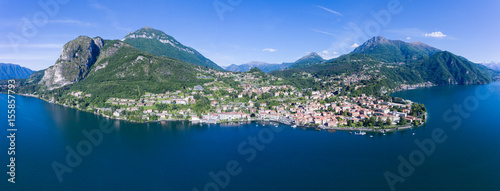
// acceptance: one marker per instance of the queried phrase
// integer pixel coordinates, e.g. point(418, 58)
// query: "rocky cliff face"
point(76, 58)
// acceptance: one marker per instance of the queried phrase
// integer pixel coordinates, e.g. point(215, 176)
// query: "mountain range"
point(13, 71)
point(148, 60)
point(397, 62)
point(116, 68)
point(310, 59)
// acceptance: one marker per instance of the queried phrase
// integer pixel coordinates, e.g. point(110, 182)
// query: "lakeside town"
point(256, 98)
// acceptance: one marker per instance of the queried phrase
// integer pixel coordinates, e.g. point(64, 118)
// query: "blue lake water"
point(181, 156)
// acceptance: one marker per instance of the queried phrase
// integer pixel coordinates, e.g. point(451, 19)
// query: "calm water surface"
point(180, 155)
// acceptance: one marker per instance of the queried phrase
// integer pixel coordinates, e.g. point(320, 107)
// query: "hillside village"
point(257, 97)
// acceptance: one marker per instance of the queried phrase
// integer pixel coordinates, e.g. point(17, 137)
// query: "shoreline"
point(281, 121)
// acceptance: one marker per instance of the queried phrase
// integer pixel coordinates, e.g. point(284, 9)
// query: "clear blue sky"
point(240, 31)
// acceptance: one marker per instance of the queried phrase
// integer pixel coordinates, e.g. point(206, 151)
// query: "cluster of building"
point(300, 109)
point(79, 94)
point(355, 109)
point(333, 114)
point(414, 86)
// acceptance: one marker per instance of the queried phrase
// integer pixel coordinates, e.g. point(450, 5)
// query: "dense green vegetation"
point(256, 71)
point(417, 110)
point(130, 72)
point(173, 49)
point(395, 51)
point(447, 68)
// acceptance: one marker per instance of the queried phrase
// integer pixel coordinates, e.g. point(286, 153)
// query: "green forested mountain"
point(12, 71)
point(158, 43)
point(124, 70)
point(447, 68)
point(113, 68)
point(308, 60)
point(256, 71)
point(395, 62)
point(395, 51)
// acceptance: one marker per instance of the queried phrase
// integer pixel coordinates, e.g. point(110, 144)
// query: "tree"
point(380, 123)
point(388, 122)
point(417, 110)
point(402, 121)
point(360, 124)
point(257, 104)
point(349, 123)
point(416, 122)
point(309, 93)
point(372, 121)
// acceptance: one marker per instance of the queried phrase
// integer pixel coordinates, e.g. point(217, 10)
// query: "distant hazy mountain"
point(13, 71)
point(305, 61)
point(265, 67)
point(158, 43)
point(493, 66)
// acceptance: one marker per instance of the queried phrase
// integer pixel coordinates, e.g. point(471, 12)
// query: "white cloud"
point(437, 34)
point(355, 45)
point(111, 16)
point(269, 50)
point(323, 32)
point(329, 10)
point(72, 22)
point(329, 54)
point(408, 38)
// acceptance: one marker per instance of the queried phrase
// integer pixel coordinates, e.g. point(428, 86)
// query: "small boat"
point(360, 133)
point(294, 126)
point(371, 135)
